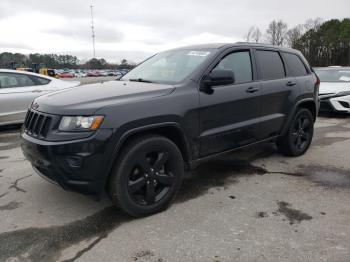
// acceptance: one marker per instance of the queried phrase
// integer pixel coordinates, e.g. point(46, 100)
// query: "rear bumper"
point(80, 165)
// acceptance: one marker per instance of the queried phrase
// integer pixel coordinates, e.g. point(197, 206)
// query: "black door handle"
point(252, 89)
point(291, 83)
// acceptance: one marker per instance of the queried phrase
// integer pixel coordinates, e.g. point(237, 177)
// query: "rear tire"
point(299, 134)
point(147, 176)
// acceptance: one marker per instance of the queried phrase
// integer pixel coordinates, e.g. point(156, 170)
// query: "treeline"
point(9, 60)
point(322, 43)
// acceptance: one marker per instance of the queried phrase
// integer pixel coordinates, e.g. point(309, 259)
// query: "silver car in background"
point(19, 88)
point(334, 90)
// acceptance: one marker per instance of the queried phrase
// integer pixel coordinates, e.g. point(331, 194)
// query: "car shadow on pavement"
point(334, 115)
point(49, 243)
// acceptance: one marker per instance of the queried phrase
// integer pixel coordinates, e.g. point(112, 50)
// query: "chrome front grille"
point(37, 124)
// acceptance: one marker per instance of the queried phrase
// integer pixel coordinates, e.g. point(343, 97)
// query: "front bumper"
point(335, 104)
point(79, 165)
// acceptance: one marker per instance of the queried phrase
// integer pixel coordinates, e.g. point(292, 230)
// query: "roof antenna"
point(93, 30)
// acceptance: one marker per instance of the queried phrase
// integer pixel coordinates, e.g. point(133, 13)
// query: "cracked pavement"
point(252, 205)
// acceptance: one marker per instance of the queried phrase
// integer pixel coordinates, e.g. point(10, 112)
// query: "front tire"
point(299, 135)
point(147, 176)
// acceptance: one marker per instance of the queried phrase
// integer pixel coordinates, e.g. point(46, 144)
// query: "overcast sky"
point(135, 29)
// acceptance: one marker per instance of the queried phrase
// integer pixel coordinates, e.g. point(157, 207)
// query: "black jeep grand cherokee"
point(136, 137)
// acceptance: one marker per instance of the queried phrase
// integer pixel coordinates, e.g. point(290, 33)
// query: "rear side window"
point(295, 67)
point(270, 64)
point(241, 65)
point(41, 80)
point(8, 80)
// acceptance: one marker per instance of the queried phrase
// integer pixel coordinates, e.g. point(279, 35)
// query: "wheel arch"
point(170, 130)
point(309, 104)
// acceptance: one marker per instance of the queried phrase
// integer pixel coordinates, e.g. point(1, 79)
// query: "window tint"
point(241, 65)
point(8, 80)
point(295, 67)
point(271, 65)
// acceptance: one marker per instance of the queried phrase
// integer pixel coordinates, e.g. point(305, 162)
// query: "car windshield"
point(333, 75)
point(169, 67)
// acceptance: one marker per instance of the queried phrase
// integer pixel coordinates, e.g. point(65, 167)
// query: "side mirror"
point(219, 77)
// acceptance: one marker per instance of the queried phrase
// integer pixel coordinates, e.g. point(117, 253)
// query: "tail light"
point(317, 84)
point(317, 81)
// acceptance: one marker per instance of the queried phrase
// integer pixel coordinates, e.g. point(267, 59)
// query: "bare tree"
point(294, 34)
point(313, 24)
point(253, 35)
point(256, 35)
point(249, 34)
point(276, 32)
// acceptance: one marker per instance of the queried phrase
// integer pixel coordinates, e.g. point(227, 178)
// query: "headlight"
point(345, 93)
point(80, 123)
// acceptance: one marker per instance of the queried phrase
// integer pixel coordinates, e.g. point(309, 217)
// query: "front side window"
point(169, 67)
point(9, 80)
point(240, 64)
point(295, 67)
point(270, 64)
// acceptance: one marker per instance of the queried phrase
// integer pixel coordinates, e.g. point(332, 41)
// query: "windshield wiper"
point(141, 80)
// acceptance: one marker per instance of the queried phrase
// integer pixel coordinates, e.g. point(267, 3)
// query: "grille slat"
point(32, 123)
point(27, 118)
point(37, 124)
point(41, 125)
point(30, 118)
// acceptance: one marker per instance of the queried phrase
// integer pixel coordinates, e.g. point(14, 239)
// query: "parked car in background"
point(111, 73)
point(334, 89)
point(19, 88)
point(80, 74)
point(65, 75)
point(136, 137)
point(47, 72)
point(93, 74)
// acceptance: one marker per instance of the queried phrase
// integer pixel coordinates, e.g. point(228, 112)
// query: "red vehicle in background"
point(65, 75)
point(93, 74)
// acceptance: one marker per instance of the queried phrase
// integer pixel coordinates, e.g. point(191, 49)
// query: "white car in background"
point(19, 88)
point(334, 90)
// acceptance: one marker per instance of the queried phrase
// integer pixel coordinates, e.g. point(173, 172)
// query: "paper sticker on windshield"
point(198, 53)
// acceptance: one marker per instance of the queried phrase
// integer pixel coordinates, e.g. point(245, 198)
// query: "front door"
point(229, 115)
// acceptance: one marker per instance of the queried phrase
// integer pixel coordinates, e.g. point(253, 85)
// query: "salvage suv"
point(136, 137)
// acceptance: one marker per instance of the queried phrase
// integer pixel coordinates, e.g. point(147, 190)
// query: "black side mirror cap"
point(219, 77)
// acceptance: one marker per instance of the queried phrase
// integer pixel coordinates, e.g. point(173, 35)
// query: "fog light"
point(74, 162)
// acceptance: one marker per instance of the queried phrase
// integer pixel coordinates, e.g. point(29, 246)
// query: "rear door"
point(17, 91)
point(277, 91)
point(296, 68)
point(229, 114)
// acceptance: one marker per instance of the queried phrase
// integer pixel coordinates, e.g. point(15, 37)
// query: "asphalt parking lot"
point(253, 205)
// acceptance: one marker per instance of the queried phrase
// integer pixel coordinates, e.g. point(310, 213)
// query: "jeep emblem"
point(35, 106)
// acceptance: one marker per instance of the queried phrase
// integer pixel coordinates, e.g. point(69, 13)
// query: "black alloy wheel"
point(151, 178)
point(299, 135)
point(146, 176)
point(301, 132)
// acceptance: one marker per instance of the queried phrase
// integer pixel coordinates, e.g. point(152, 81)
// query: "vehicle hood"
point(87, 99)
point(328, 88)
